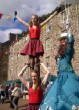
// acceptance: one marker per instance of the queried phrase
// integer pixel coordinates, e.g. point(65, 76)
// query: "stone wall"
point(4, 61)
point(54, 34)
point(17, 61)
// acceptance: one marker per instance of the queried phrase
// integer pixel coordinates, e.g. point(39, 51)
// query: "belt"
point(34, 38)
point(34, 103)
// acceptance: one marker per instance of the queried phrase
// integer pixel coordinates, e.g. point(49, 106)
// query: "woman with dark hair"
point(35, 87)
point(64, 92)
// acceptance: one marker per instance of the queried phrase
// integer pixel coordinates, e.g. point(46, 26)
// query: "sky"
point(25, 9)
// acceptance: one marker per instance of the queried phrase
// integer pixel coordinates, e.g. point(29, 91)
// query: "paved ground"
point(21, 105)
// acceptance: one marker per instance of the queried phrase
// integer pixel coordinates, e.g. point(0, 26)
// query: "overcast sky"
point(25, 9)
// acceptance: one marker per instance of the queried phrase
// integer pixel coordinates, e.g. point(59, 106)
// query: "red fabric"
point(35, 96)
point(33, 48)
point(1, 15)
point(34, 32)
point(32, 107)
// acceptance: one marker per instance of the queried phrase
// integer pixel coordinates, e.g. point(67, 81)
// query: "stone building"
point(49, 37)
point(4, 60)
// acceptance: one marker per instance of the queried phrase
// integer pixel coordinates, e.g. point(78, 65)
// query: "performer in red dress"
point(35, 87)
point(34, 48)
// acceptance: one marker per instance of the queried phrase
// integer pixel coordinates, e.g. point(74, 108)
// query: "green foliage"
point(58, 9)
point(25, 32)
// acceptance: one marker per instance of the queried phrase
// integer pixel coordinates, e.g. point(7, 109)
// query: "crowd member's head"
point(16, 85)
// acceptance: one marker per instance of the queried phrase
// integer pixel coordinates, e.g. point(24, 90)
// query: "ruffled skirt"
point(63, 94)
point(33, 48)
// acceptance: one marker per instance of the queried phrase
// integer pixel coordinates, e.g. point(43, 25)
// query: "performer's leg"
point(31, 60)
point(37, 64)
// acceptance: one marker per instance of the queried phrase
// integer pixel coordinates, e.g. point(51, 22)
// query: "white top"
point(64, 35)
point(16, 92)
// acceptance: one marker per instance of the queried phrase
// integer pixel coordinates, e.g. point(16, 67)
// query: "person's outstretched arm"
point(22, 21)
point(49, 18)
point(20, 75)
point(47, 74)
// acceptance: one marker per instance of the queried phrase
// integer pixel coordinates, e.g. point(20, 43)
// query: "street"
point(21, 105)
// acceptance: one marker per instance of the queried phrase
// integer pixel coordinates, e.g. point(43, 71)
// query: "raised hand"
point(15, 13)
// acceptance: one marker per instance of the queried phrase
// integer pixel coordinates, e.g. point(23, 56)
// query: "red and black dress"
point(34, 46)
point(35, 98)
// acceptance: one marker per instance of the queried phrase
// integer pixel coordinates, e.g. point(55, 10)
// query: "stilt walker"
point(64, 92)
point(34, 48)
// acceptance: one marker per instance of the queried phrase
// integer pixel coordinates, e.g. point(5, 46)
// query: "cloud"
point(26, 8)
point(4, 35)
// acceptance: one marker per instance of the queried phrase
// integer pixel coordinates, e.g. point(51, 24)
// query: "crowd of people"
point(11, 92)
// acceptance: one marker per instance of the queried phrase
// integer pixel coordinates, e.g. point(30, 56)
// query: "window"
point(47, 44)
point(48, 62)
